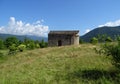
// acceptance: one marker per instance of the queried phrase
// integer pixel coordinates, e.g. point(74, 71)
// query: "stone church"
point(62, 38)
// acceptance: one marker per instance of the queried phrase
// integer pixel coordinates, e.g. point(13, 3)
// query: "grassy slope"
point(58, 65)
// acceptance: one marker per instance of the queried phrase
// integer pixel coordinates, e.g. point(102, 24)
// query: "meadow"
point(58, 65)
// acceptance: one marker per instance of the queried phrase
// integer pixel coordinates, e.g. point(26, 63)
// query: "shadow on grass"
point(95, 75)
point(3, 57)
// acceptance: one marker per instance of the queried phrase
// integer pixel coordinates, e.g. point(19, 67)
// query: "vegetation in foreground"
point(58, 65)
point(14, 45)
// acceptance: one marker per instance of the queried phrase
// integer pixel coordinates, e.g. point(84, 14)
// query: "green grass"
point(58, 65)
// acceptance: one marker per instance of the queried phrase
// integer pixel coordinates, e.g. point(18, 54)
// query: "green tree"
point(108, 39)
point(94, 40)
point(20, 42)
point(81, 41)
point(31, 45)
point(37, 44)
point(98, 37)
point(26, 41)
point(101, 38)
point(43, 44)
point(11, 40)
point(13, 49)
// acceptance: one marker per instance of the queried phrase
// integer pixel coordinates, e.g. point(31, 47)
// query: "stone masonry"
point(62, 38)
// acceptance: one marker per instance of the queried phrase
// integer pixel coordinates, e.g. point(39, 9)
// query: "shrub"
point(112, 50)
point(21, 47)
point(37, 45)
point(108, 39)
point(12, 49)
point(11, 40)
point(31, 45)
point(94, 40)
point(81, 41)
point(43, 44)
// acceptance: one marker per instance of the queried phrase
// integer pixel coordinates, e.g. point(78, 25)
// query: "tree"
point(81, 41)
point(94, 40)
point(101, 38)
point(20, 42)
point(12, 49)
point(31, 45)
point(37, 44)
point(108, 39)
point(43, 44)
point(11, 40)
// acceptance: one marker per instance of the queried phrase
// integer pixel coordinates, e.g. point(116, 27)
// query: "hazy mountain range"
point(22, 37)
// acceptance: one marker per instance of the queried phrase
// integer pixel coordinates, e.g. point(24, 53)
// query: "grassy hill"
point(58, 65)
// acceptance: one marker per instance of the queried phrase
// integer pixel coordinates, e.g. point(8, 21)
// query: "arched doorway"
point(59, 43)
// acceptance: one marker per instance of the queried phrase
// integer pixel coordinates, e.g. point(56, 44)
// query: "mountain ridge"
point(109, 31)
point(22, 37)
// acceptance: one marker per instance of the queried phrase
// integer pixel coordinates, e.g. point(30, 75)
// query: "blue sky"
point(38, 17)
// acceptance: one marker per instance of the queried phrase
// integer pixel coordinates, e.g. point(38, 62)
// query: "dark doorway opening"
point(59, 43)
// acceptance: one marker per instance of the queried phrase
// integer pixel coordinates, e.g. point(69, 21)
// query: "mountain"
point(37, 38)
point(22, 37)
point(109, 31)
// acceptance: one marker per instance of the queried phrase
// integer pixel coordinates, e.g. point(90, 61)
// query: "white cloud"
point(21, 28)
point(87, 30)
point(12, 21)
point(111, 24)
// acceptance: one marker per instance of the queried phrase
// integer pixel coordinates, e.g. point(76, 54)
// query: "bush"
point(81, 41)
point(31, 45)
point(108, 39)
point(94, 40)
point(12, 49)
point(10, 41)
point(37, 45)
point(43, 44)
point(112, 50)
point(21, 47)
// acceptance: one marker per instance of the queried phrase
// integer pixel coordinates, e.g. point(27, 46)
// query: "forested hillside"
point(107, 31)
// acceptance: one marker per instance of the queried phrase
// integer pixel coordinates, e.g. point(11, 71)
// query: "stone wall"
point(62, 39)
point(76, 39)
